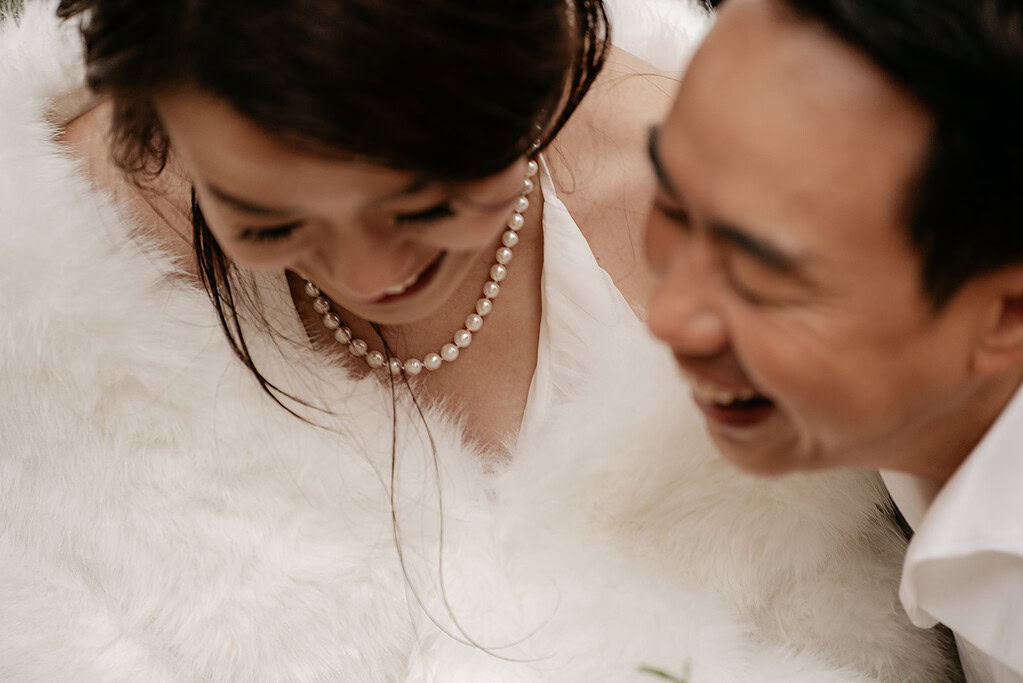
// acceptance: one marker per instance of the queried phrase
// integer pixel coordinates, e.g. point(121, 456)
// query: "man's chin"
point(754, 458)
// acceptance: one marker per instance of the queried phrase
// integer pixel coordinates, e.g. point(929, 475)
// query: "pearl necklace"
point(473, 322)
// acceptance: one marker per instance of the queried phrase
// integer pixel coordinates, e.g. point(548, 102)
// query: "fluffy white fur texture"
point(664, 33)
point(162, 520)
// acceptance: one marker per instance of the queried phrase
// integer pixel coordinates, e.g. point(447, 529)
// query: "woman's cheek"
point(470, 234)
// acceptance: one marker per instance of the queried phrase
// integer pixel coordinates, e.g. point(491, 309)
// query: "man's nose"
point(685, 310)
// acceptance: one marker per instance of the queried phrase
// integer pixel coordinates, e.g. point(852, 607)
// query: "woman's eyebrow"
point(415, 186)
point(246, 205)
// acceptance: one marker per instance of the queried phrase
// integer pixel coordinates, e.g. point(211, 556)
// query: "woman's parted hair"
point(448, 89)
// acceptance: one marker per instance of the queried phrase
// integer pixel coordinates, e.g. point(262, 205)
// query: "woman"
point(356, 181)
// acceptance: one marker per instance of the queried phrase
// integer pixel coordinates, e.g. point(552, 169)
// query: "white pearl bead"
point(331, 321)
point(527, 186)
point(516, 221)
point(510, 238)
point(449, 352)
point(413, 366)
point(473, 322)
point(484, 306)
point(375, 359)
point(395, 366)
point(521, 204)
point(343, 335)
point(491, 290)
point(503, 256)
point(498, 272)
point(433, 361)
point(312, 290)
point(321, 306)
point(463, 338)
point(531, 168)
point(358, 348)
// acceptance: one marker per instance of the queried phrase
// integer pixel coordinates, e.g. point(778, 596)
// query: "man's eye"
point(275, 233)
point(675, 213)
point(434, 213)
point(744, 292)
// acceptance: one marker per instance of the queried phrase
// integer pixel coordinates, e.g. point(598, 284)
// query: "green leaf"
point(663, 675)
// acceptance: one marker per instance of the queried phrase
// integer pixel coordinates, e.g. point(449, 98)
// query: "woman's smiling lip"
point(413, 284)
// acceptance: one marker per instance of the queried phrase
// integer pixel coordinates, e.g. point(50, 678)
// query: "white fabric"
point(585, 318)
point(663, 33)
point(162, 520)
point(964, 566)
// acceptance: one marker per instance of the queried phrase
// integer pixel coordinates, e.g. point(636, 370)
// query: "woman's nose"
point(365, 265)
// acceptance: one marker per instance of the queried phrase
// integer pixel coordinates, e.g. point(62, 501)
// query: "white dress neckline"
point(583, 315)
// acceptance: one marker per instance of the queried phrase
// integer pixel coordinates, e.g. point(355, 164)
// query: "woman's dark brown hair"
point(447, 89)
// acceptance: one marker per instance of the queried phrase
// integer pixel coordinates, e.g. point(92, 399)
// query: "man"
point(840, 239)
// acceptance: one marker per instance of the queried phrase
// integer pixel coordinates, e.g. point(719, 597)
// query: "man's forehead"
point(777, 108)
point(782, 60)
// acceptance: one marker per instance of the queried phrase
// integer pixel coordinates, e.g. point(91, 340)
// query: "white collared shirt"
point(964, 566)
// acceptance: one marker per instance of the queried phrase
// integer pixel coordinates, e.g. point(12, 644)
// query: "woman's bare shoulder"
point(601, 170)
point(627, 98)
point(158, 207)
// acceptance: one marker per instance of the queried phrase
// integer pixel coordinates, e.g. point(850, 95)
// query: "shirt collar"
point(964, 564)
point(979, 508)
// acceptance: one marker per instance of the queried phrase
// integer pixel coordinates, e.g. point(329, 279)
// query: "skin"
point(779, 237)
point(353, 245)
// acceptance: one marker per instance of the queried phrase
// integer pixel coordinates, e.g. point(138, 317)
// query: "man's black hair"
point(963, 61)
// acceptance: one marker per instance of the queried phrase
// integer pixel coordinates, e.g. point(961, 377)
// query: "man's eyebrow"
point(653, 136)
point(758, 248)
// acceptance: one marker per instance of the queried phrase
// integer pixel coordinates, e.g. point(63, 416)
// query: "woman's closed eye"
point(281, 232)
point(430, 215)
point(271, 234)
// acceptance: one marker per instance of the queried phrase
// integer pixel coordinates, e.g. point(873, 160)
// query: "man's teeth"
point(400, 288)
point(709, 393)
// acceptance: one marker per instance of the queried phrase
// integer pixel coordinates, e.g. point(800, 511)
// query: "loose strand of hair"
point(462, 636)
point(215, 276)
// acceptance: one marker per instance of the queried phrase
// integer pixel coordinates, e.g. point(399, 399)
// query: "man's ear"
point(1001, 346)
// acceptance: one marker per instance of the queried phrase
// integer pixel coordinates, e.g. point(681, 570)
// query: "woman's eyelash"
point(434, 213)
point(278, 232)
point(281, 232)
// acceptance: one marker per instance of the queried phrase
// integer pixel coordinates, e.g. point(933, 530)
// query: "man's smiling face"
point(790, 291)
